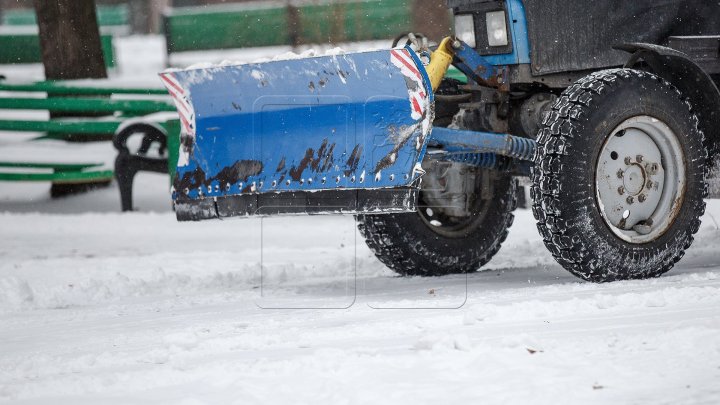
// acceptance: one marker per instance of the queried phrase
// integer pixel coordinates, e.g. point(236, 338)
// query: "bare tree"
point(70, 39)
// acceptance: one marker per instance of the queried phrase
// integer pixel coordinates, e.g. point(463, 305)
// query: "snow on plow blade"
point(339, 133)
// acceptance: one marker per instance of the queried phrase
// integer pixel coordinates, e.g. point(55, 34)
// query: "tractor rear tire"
point(619, 176)
point(411, 245)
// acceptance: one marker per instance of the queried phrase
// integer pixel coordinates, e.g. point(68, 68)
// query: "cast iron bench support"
point(128, 163)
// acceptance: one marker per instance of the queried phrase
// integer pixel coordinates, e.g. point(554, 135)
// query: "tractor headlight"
point(465, 28)
point(496, 28)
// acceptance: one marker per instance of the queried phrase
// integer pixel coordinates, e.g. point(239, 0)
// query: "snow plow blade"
point(337, 133)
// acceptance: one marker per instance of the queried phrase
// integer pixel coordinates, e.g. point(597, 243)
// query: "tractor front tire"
point(416, 244)
point(619, 176)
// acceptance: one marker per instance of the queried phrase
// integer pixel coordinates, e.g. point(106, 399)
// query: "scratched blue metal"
point(348, 121)
point(476, 67)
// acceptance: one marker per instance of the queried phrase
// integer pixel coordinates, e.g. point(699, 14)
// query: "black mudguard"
point(680, 70)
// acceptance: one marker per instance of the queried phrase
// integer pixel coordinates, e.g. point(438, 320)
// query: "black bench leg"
point(125, 171)
point(127, 164)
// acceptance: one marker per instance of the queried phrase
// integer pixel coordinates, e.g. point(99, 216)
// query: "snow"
point(98, 306)
point(289, 55)
point(116, 308)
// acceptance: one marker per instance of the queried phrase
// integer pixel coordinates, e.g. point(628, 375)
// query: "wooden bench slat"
point(54, 166)
point(101, 105)
point(75, 126)
point(55, 88)
point(60, 177)
point(63, 126)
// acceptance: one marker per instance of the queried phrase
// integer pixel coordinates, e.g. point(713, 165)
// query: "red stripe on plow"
point(167, 79)
point(407, 64)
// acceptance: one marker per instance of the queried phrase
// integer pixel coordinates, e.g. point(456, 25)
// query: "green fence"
point(258, 24)
point(25, 48)
point(353, 21)
point(108, 16)
point(195, 28)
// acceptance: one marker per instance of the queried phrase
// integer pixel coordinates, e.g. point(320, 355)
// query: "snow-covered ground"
point(102, 307)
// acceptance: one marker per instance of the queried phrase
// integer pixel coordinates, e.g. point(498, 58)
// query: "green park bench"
point(100, 113)
point(270, 24)
point(60, 173)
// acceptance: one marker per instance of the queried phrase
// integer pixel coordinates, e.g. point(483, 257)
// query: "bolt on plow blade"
point(339, 133)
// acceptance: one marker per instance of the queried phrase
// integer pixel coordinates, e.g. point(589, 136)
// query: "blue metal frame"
point(476, 67)
point(467, 142)
point(519, 33)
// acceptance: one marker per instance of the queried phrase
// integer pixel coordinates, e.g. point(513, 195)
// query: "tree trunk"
point(140, 16)
point(70, 39)
point(432, 18)
point(157, 7)
point(293, 21)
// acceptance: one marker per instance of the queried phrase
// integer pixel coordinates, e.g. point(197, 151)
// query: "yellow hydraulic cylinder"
point(440, 61)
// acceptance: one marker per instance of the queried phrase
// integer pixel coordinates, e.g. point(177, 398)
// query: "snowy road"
point(111, 308)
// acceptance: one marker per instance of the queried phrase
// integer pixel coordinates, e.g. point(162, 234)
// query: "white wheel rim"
point(640, 179)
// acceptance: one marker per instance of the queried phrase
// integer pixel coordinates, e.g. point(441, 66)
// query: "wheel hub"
point(639, 179)
point(447, 202)
point(633, 179)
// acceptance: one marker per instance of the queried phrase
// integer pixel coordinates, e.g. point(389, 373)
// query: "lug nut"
point(628, 160)
point(651, 168)
point(639, 158)
point(649, 184)
point(620, 173)
point(621, 190)
point(630, 200)
point(641, 198)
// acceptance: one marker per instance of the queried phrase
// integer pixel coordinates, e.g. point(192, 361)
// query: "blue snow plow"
point(339, 133)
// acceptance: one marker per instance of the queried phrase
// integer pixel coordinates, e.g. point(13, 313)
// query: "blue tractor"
point(609, 113)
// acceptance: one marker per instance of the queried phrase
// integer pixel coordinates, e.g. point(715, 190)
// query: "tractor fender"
point(677, 68)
